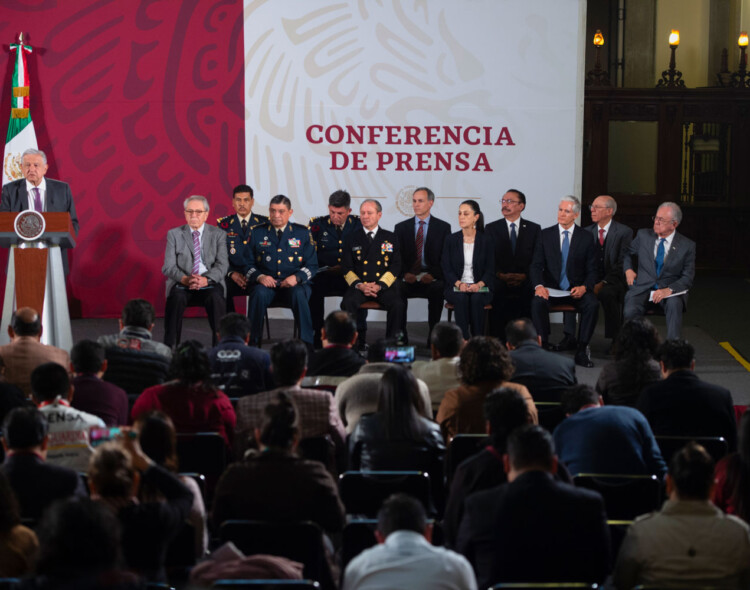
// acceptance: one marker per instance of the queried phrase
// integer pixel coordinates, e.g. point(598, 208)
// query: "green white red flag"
point(21, 135)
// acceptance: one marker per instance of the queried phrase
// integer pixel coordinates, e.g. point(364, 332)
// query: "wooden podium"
point(36, 277)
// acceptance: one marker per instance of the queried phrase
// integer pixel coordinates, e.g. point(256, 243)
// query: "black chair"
point(625, 496)
point(300, 541)
point(487, 309)
point(716, 446)
point(157, 586)
point(550, 414)
point(547, 586)
point(265, 584)
point(540, 388)
point(267, 322)
point(363, 492)
point(358, 535)
point(459, 449)
point(617, 531)
point(135, 370)
point(204, 453)
point(9, 583)
point(323, 450)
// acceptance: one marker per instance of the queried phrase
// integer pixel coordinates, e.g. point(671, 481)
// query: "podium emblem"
point(29, 225)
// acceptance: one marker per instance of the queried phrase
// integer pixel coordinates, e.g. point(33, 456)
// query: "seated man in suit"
point(666, 265)
point(25, 351)
point(683, 405)
point(195, 264)
point(338, 357)
point(421, 239)
point(371, 265)
point(611, 241)
point(534, 529)
point(515, 239)
point(36, 483)
point(565, 259)
point(237, 228)
point(282, 264)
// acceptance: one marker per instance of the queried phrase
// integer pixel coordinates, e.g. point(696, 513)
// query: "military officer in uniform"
point(283, 262)
point(371, 264)
point(329, 233)
point(237, 228)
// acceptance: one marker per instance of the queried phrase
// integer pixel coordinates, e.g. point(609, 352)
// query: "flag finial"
point(20, 37)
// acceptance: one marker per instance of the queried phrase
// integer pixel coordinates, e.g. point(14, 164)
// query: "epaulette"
point(319, 219)
point(220, 219)
point(352, 218)
point(298, 225)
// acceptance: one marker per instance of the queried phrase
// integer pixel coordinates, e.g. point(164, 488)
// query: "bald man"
point(25, 351)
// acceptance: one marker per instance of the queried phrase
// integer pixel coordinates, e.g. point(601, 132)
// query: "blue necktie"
point(659, 259)
point(564, 282)
point(513, 237)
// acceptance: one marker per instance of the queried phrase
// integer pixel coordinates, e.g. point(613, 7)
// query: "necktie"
point(419, 243)
point(564, 282)
point(369, 238)
point(601, 237)
point(244, 225)
point(659, 259)
point(37, 200)
point(196, 252)
point(339, 230)
point(513, 237)
point(278, 234)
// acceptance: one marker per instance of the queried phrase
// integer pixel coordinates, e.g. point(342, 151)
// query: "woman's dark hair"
point(636, 345)
point(400, 404)
point(484, 359)
point(158, 438)
point(475, 207)
point(505, 410)
point(190, 363)
point(9, 513)
point(280, 425)
point(111, 471)
point(78, 537)
point(739, 479)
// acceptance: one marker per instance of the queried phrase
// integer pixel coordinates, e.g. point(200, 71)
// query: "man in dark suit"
point(371, 265)
point(534, 529)
point(338, 357)
point(611, 241)
point(514, 239)
point(683, 405)
point(565, 259)
point(195, 264)
point(35, 482)
point(36, 192)
point(666, 265)
point(421, 239)
point(237, 228)
point(545, 374)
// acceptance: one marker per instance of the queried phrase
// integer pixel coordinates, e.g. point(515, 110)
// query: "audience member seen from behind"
point(136, 327)
point(338, 358)
point(397, 437)
point(93, 395)
point(158, 440)
point(620, 383)
point(80, 547)
point(404, 556)
point(35, 482)
point(191, 400)
point(484, 365)
point(116, 471)
point(275, 484)
point(18, 544)
point(10, 396)
point(236, 368)
point(732, 492)
point(689, 543)
point(441, 372)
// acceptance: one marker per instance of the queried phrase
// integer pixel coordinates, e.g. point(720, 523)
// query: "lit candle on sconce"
point(674, 38)
point(599, 38)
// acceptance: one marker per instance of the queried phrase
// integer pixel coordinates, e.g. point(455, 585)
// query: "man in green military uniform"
point(237, 228)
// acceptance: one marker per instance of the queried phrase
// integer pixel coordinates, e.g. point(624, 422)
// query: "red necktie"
point(601, 237)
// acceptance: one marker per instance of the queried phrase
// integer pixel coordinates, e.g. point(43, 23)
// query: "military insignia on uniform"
point(268, 259)
point(291, 259)
point(295, 242)
point(232, 251)
point(325, 233)
point(265, 242)
point(386, 247)
point(315, 227)
point(224, 224)
point(232, 234)
point(300, 258)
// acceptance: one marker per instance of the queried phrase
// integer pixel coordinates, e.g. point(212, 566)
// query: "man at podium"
point(37, 193)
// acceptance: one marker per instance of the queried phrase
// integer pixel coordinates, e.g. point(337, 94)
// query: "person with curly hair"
point(484, 366)
point(191, 400)
point(620, 383)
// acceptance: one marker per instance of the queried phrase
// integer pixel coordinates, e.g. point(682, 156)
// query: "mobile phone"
point(98, 435)
point(399, 354)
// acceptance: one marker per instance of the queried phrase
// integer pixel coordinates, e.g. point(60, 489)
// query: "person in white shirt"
point(404, 557)
point(69, 442)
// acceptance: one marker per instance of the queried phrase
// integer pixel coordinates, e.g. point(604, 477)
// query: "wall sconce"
point(741, 79)
point(598, 76)
point(672, 78)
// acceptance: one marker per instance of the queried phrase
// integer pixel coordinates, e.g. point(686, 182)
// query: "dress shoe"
point(567, 343)
point(583, 357)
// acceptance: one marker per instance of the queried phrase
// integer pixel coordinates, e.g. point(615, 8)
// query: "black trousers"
point(389, 298)
point(509, 303)
point(234, 290)
point(434, 295)
point(587, 306)
point(610, 298)
point(211, 298)
point(328, 285)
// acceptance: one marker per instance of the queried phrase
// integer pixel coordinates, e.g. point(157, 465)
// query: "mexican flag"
point(21, 135)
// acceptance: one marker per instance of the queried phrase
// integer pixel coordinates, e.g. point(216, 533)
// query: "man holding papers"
point(666, 268)
point(564, 268)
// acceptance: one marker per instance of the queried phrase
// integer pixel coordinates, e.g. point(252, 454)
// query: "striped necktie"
point(196, 252)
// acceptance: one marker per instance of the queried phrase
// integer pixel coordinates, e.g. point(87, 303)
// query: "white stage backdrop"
point(468, 97)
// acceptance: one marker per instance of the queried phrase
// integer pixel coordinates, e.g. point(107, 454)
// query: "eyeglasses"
point(661, 220)
point(509, 202)
point(592, 207)
point(195, 211)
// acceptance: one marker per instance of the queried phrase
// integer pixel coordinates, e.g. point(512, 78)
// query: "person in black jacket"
point(421, 239)
point(469, 269)
point(338, 357)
